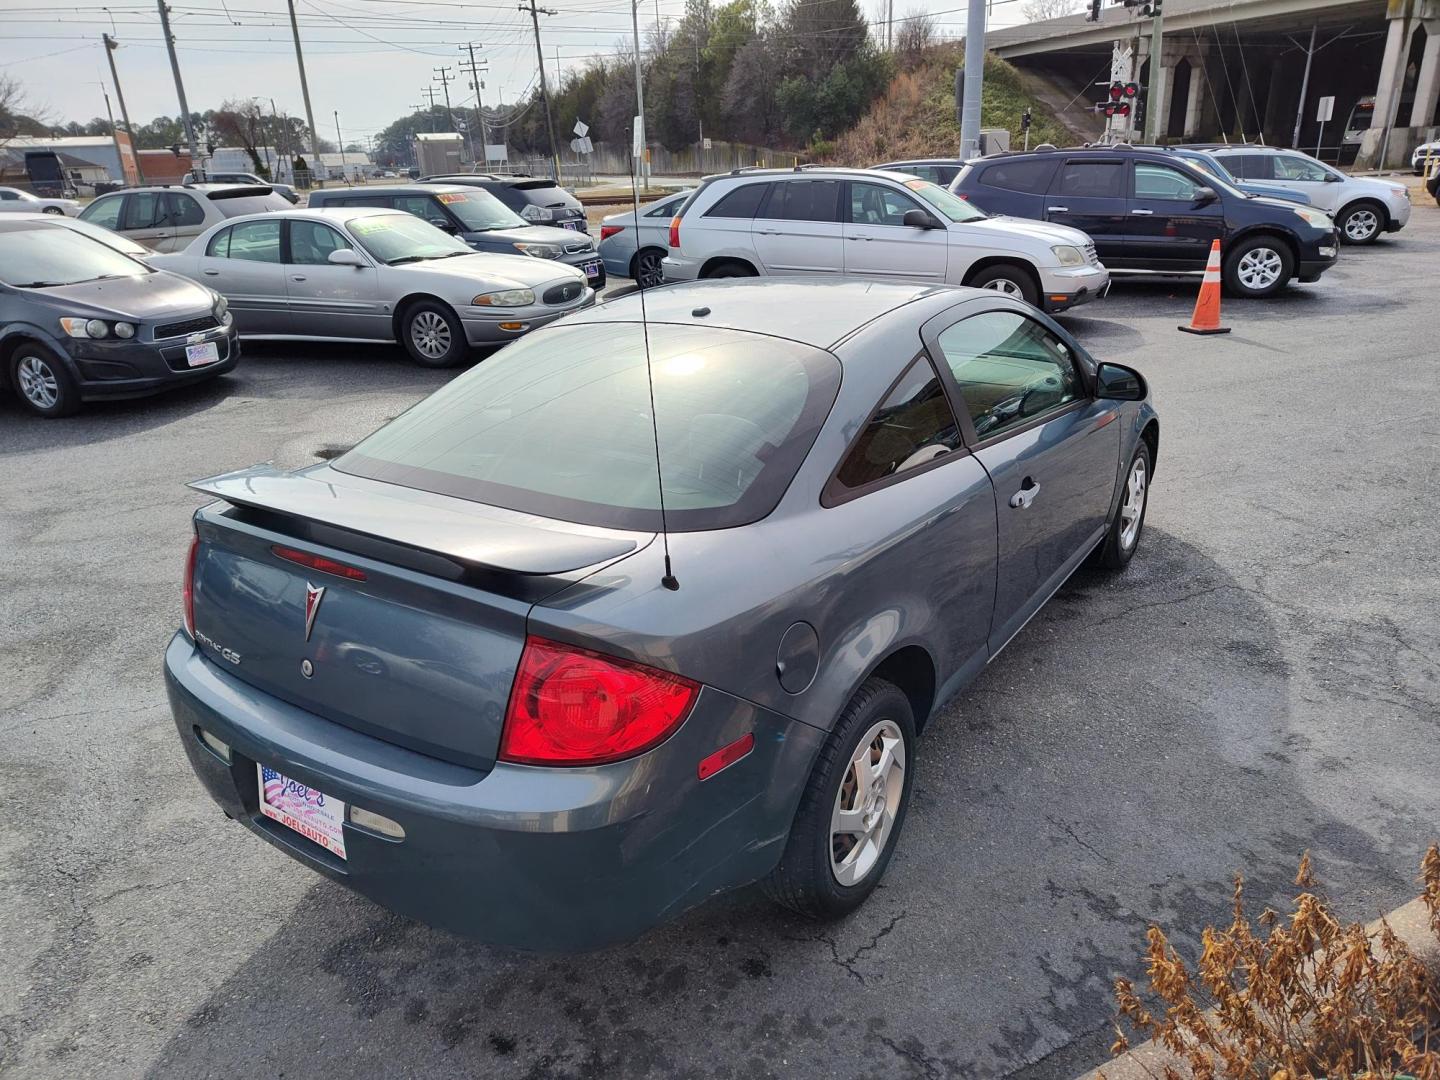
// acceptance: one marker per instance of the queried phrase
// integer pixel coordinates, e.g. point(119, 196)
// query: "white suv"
point(867, 223)
point(1362, 207)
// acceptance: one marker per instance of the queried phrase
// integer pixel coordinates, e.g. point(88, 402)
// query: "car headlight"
point(222, 311)
point(80, 328)
point(124, 330)
point(540, 251)
point(505, 298)
point(531, 212)
point(1068, 255)
point(1317, 218)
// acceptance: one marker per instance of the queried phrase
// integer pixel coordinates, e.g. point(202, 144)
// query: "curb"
point(1148, 1060)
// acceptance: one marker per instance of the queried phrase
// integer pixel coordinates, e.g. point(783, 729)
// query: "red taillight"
point(570, 706)
point(189, 615)
point(962, 195)
point(318, 563)
point(675, 231)
point(607, 231)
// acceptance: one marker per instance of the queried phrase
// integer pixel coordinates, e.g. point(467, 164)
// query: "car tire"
point(1009, 278)
point(645, 268)
point(53, 210)
point(1123, 537)
point(42, 383)
point(732, 269)
point(810, 879)
point(1257, 267)
point(1361, 222)
point(432, 334)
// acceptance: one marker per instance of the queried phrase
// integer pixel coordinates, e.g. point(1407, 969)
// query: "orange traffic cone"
point(1206, 319)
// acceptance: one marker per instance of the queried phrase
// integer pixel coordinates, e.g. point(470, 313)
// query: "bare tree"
point(914, 34)
point(18, 114)
point(1040, 10)
point(241, 123)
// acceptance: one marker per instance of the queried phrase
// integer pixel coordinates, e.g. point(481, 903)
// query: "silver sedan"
point(370, 274)
point(14, 200)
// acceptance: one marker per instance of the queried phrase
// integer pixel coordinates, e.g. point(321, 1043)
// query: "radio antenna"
point(668, 580)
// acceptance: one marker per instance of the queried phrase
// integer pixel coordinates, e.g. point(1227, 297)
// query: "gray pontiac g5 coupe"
point(471, 669)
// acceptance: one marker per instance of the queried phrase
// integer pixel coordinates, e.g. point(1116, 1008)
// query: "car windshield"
point(950, 206)
point(559, 424)
point(479, 211)
point(402, 238)
point(45, 255)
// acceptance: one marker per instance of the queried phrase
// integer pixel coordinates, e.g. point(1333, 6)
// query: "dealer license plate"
point(573, 226)
point(592, 270)
point(313, 814)
point(200, 355)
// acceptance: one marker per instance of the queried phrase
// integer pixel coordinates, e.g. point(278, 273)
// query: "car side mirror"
point(1115, 382)
point(1331, 178)
point(1205, 196)
point(919, 219)
point(345, 257)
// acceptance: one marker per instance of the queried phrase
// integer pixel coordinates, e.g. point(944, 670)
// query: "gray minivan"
point(479, 219)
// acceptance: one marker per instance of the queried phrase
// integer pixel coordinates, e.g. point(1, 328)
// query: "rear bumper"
point(679, 269)
point(526, 857)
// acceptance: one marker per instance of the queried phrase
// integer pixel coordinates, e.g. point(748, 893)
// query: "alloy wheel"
point(431, 334)
point(1132, 506)
point(1006, 286)
point(52, 210)
point(38, 382)
point(1361, 225)
point(863, 820)
point(647, 270)
point(1260, 268)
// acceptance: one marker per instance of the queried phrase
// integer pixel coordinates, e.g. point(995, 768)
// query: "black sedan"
point(80, 321)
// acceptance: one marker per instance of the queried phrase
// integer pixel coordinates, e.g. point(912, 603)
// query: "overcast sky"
point(368, 59)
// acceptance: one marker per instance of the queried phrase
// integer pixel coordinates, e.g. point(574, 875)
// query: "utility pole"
point(890, 26)
point(196, 166)
point(642, 164)
point(535, 13)
point(114, 134)
point(443, 74)
point(974, 80)
point(429, 92)
point(1155, 106)
point(340, 144)
point(110, 46)
point(305, 93)
point(477, 86)
point(281, 142)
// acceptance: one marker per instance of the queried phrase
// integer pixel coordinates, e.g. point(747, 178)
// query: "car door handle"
point(1057, 209)
point(1143, 213)
point(857, 238)
point(1026, 495)
point(768, 232)
point(297, 277)
point(212, 273)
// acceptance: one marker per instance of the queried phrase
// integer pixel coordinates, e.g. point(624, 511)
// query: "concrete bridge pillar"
point(1195, 98)
point(1405, 17)
point(1427, 86)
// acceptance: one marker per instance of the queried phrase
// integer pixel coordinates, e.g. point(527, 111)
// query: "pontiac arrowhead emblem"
point(313, 596)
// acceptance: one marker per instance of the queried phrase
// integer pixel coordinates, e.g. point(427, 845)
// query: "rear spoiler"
point(472, 533)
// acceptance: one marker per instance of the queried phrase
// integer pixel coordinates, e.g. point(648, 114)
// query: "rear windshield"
point(544, 193)
point(559, 424)
point(238, 206)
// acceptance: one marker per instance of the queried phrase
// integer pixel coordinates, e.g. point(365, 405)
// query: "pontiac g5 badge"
point(313, 596)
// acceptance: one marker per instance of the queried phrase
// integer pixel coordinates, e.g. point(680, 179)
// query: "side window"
point(1031, 177)
point(913, 425)
point(184, 210)
point(1252, 166)
point(10, 196)
point(423, 207)
point(219, 246)
point(1163, 182)
point(361, 200)
point(311, 242)
point(803, 200)
point(1093, 179)
point(1009, 368)
point(1293, 167)
point(875, 204)
point(104, 212)
point(147, 210)
point(665, 209)
point(255, 241)
point(743, 202)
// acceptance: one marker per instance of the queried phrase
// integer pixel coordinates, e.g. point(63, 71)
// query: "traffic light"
point(1025, 120)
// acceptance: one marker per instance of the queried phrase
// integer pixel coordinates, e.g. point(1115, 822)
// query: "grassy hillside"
point(915, 117)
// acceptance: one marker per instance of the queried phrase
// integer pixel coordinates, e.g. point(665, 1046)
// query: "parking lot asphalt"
point(1260, 682)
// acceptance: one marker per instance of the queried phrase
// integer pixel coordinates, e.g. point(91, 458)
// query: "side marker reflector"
point(726, 756)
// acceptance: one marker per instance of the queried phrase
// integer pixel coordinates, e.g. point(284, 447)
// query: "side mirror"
point(1331, 178)
point(918, 219)
point(1205, 196)
point(1115, 382)
point(345, 257)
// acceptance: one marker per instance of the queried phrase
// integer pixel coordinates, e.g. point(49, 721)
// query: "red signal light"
point(571, 706)
point(189, 614)
point(1132, 90)
point(675, 231)
point(1123, 108)
point(318, 562)
point(607, 231)
point(1117, 90)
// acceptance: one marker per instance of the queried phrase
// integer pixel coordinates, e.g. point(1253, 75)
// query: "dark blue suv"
point(1151, 212)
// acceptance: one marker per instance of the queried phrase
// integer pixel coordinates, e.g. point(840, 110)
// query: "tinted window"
point(740, 203)
point(104, 212)
point(147, 210)
point(311, 242)
point(1163, 182)
point(255, 241)
point(1032, 177)
point(424, 207)
point(1294, 167)
point(241, 205)
point(1251, 166)
point(875, 204)
point(667, 207)
point(737, 413)
point(357, 200)
point(913, 425)
point(1093, 179)
point(184, 210)
point(1010, 369)
point(804, 200)
point(936, 174)
point(10, 196)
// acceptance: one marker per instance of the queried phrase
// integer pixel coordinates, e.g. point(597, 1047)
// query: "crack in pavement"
point(1065, 826)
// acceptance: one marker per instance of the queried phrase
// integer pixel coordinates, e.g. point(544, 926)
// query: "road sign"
point(581, 129)
point(1326, 111)
point(708, 144)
